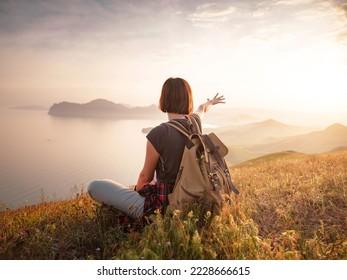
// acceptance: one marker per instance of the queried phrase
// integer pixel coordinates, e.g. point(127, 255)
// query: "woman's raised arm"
point(203, 108)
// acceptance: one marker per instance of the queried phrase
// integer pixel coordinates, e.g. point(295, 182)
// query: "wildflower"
point(176, 212)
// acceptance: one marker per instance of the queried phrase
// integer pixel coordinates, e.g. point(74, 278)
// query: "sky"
point(271, 54)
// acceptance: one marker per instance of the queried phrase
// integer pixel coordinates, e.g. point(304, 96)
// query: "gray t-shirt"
point(169, 143)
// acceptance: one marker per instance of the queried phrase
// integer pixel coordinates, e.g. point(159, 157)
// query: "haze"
point(283, 55)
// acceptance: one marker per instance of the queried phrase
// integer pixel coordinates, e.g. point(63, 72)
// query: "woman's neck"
point(175, 116)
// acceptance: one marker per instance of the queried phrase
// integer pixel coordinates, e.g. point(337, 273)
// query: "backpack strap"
point(193, 124)
point(179, 127)
point(183, 130)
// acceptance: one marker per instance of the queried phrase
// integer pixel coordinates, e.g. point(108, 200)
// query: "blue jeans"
point(117, 195)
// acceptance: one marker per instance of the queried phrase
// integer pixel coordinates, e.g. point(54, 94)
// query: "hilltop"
point(291, 206)
point(270, 136)
point(102, 108)
point(257, 132)
point(332, 137)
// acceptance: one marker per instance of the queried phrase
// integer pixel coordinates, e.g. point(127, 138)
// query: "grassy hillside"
point(290, 207)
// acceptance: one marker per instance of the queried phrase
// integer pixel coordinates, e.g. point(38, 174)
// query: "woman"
point(164, 150)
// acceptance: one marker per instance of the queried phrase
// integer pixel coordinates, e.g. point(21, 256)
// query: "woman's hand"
point(215, 100)
point(210, 102)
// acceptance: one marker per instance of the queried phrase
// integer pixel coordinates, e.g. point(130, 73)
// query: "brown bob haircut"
point(176, 97)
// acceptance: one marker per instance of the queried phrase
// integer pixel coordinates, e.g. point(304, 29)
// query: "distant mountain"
point(102, 108)
point(257, 133)
point(30, 107)
point(325, 140)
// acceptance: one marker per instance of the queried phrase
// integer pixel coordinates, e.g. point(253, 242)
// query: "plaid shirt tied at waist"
point(156, 196)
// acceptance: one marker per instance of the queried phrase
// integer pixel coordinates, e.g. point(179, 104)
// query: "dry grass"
point(290, 208)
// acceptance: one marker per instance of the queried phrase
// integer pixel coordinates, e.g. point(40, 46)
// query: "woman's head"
point(176, 97)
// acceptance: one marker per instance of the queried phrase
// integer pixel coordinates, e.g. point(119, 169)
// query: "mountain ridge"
point(316, 141)
point(257, 132)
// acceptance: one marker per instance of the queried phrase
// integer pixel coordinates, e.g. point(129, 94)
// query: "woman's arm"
point(147, 173)
point(203, 108)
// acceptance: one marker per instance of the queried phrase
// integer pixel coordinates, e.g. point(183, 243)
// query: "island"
point(102, 108)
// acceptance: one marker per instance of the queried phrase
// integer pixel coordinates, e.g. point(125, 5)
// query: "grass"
point(291, 207)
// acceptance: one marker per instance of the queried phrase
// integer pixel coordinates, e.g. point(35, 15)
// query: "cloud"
point(292, 2)
point(211, 13)
point(342, 4)
point(104, 43)
point(63, 23)
point(93, 25)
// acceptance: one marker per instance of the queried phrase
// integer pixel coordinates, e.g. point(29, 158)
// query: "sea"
point(46, 158)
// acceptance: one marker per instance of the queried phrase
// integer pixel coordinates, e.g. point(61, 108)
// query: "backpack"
point(203, 173)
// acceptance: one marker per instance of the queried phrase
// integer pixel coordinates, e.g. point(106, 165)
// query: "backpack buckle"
point(214, 180)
